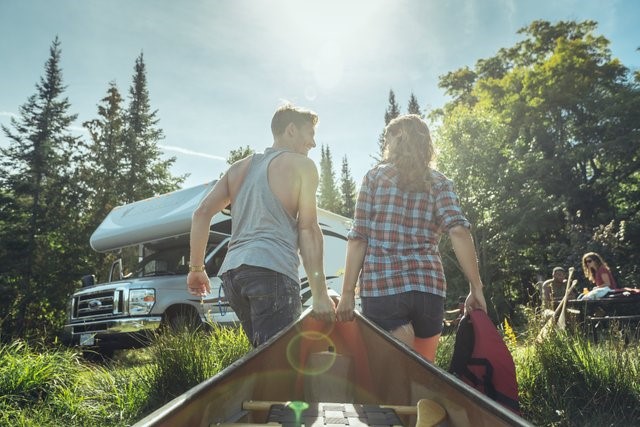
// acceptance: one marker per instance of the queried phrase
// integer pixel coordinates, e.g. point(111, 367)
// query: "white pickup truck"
point(123, 311)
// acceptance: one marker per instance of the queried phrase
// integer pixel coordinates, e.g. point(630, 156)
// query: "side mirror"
point(88, 280)
point(115, 272)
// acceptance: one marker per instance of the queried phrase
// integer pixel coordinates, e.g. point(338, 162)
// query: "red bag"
point(482, 360)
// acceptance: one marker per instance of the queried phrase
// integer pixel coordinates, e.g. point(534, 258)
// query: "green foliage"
point(53, 387)
point(28, 376)
point(147, 175)
point(542, 143)
point(392, 111)
point(328, 194)
point(348, 191)
point(40, 255)
point(239, 154)
point(185, 359)
point(414, 106)
point(568, 380)
point(53, 194)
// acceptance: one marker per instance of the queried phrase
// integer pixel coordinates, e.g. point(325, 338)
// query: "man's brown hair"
point(289, 113)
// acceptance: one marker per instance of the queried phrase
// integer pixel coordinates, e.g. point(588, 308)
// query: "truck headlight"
point(141, 301)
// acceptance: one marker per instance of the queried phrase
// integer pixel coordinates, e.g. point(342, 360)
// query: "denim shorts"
point(423, 310)
point(265, 301)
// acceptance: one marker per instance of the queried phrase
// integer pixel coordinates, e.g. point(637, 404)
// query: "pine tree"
point(393, 111)
point(348, 190)
point(414, 107)
point(328, 197)
point(39, 179)
point(147, 175)
point(107, 160)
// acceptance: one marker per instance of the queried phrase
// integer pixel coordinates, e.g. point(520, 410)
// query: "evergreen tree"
point(147, 175)
point(414, 107)
point(39, 185)
point(328, 197)
point(348, 190)
point(239, 154)
point(393, 111)
point(107, 161)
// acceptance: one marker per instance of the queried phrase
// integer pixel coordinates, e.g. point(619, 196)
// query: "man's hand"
point(198, 283)
point(323, 308)
point(346, 306)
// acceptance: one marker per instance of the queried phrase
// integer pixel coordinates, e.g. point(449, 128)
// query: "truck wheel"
point(182, 319)
point(98, 355)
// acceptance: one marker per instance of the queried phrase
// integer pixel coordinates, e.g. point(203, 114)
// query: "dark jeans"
point(265, 301)
point(424, 311)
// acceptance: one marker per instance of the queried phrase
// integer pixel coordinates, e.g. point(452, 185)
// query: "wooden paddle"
point(429, 413)
point(560, 311)
point(561, 318)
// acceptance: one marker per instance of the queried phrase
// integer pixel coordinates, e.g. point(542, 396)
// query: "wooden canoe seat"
point(428, 413)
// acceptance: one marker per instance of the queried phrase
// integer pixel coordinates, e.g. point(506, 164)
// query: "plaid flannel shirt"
point(402, 231)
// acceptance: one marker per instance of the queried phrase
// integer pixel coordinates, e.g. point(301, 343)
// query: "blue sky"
point(218, 69)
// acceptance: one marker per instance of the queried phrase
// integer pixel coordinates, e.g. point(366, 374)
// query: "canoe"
point(353, 367)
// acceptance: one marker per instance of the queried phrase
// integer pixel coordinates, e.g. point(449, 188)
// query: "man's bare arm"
point(217, 199)
point(310, 241)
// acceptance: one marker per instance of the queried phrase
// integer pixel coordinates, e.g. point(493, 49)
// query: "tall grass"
point(56, 387)
point(185, 359)
point(566, 379)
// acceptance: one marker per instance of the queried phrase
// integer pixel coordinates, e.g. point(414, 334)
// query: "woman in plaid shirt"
point(402, 210)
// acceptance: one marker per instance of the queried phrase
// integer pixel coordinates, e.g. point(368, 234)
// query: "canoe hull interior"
point(365, 366)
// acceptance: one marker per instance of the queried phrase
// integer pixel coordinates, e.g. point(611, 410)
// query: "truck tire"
point(182, 318)
point(98, 355)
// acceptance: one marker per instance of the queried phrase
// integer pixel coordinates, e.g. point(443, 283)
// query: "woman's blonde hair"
point(411, 153)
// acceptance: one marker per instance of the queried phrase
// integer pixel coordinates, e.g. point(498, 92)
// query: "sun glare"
point(323, 38)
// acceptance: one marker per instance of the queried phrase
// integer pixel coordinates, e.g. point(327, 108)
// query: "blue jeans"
point(265, 301)
point(424, 311)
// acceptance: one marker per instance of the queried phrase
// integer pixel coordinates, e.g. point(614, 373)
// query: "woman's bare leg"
point(427, 347)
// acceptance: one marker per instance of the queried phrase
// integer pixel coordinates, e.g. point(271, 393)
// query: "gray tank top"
point(263, 234)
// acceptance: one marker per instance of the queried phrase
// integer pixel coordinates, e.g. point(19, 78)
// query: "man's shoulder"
point(547, 282)
point(299, 162)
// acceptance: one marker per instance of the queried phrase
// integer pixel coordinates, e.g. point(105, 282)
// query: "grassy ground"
point(564, 380)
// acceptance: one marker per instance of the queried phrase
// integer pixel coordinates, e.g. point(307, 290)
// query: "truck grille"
point(98, 304)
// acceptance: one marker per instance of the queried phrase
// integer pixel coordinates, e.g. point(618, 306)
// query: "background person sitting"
point(553, 290)
point(598, 273)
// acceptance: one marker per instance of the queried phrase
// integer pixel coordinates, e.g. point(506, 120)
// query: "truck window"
point(167, 261)
point(214, 264)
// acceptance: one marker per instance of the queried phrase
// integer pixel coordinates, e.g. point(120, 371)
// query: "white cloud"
point(190, 152)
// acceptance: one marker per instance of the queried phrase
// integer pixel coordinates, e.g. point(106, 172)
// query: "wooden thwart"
point(428, 413)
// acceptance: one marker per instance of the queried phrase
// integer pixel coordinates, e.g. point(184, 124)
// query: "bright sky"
point(218, 69)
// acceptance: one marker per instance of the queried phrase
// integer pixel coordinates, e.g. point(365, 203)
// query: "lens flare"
point(299, 348)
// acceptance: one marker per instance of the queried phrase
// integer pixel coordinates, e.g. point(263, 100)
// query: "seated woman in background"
point(598, 273)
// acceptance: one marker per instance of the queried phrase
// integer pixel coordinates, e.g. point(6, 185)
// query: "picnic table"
point(620, 307)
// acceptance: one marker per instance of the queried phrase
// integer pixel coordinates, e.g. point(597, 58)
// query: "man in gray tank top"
point(273, 206)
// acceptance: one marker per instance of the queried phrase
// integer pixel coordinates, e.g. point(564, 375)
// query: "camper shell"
point(133, 302)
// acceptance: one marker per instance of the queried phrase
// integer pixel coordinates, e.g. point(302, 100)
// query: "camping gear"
point(482, 360)
point(381, 373)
